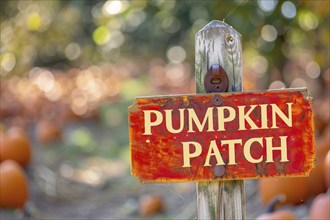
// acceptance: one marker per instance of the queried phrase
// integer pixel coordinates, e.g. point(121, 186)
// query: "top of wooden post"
point(217, 24)
point(218, 43)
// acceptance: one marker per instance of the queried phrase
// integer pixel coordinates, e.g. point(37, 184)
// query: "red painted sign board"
point(222, 136)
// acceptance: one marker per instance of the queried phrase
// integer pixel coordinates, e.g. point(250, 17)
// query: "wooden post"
point(218, 43)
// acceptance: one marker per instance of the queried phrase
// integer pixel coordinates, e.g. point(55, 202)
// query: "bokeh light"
point(72, 51)
point(176, 54)
point(288, 9)
point(267, 5)
point(269, 33)
point(277, 85)
point(113, 7)
point(8, 62)
point(313, 69)
point(307, 20)
point(101, 35)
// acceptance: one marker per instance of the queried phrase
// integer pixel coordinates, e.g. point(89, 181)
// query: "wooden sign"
point(222, 136)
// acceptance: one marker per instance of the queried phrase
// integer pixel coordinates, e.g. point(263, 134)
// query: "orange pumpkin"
point(47, 131)
point(321, 114)
point(150, 205)
point(295, 189)
point(319, 121)
point(320, 208)
point(13, 185)
point(316, 179)
point(327, 169)
point(2, 129)
point(15, 145)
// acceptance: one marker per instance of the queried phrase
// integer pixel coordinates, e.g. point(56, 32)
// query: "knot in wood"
point(229, 39)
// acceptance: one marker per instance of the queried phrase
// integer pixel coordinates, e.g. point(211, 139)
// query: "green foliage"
point(76, 33)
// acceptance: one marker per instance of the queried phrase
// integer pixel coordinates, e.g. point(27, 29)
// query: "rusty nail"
point(219, 170)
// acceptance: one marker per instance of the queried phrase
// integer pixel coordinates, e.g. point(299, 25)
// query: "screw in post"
point(219, 171)
point(217, 100)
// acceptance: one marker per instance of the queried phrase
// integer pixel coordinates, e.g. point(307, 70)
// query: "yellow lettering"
point(282, 148)
point(213, 151)
point(263, 116)
point(192, 117)
point(245, 117)
point(169, 125)
point(231, 149)
point(277, 111)
point(147, 120)
point(186, 152)
point(221, 116)
point(247, 150)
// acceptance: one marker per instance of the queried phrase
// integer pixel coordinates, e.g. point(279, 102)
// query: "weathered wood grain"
point(218, 43)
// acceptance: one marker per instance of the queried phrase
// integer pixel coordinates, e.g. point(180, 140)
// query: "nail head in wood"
point(217, 100)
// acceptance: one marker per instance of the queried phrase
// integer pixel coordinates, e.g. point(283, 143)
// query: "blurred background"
point(70, 69)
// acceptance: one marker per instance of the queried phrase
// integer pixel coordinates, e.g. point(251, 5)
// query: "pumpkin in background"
point(47, 131)
point(320, 208)
point(150, 205)
point(322, 114)
point(13, 185)
point(2, 129)
point(316, 179)
point(14, 145)
point(327, 169)
point(295, 189)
